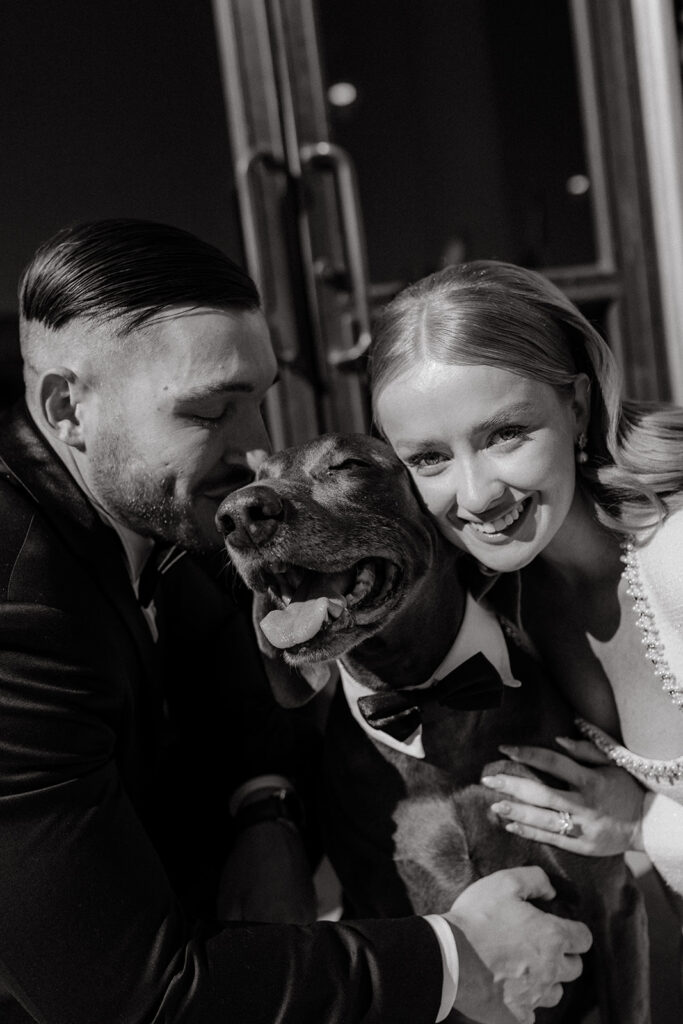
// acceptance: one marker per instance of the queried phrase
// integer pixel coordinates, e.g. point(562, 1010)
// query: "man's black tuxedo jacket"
point(117, 757)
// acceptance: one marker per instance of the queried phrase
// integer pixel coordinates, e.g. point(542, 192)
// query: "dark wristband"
point(278, 805)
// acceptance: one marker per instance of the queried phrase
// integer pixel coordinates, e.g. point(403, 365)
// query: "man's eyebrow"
point(201, 391)
point(219, 387)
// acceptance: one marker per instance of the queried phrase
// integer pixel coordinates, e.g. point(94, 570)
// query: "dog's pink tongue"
point(296, 623)
point(304, 615)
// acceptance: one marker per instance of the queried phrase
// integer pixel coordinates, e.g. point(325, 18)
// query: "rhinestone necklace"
point(646, 767)
point(654, 649)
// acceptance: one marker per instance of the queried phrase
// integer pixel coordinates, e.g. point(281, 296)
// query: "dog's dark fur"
point(407, 834)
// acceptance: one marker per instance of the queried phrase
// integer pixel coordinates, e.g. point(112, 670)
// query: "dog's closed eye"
point(350, 463)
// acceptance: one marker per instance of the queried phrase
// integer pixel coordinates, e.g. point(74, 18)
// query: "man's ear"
point(581, 402)
point(60, 396)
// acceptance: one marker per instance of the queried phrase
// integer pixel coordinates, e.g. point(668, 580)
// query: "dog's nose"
point(250, 515)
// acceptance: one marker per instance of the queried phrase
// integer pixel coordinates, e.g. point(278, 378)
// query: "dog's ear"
point(291, 687)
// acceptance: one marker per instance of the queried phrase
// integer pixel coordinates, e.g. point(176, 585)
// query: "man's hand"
point(267, 877)
point(513, 957)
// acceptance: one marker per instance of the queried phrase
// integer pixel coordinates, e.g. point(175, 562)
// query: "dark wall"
point(107, 109)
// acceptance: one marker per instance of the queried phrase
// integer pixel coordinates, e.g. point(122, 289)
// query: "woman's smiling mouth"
point(501, 526)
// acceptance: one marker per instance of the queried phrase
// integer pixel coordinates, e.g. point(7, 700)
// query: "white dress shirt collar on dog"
point(480, 631)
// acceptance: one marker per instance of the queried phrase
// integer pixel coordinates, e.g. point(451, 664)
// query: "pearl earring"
point(581, 455)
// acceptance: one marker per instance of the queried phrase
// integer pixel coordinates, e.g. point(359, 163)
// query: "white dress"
point(655, 571)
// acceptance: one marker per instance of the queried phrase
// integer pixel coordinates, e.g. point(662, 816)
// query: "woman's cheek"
point(434, 497)
point(440, 503)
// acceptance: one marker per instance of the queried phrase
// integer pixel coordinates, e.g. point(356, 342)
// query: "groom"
point(140, 755)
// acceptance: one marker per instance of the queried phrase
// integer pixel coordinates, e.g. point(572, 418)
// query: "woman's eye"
point(513, 432)
point(424, 460)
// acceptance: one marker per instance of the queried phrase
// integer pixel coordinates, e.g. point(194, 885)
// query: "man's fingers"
point(551, 997)
point(578, 938)
point(522, 1014)
point(570, 969)
point(530, 883)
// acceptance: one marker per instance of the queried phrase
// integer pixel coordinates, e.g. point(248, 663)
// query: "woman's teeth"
point(500, 524)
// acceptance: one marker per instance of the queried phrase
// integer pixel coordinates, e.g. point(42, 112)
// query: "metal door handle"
point(244, 180)
point(328, 155)
point(245, 172)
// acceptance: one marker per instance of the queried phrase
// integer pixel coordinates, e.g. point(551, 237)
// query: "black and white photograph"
point(341, 512)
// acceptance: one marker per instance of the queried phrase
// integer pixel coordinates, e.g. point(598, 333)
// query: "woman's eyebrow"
point(503, 416)
point(500, 418)
point(418, 443)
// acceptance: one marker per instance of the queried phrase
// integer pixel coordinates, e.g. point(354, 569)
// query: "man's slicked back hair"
point(128, 270)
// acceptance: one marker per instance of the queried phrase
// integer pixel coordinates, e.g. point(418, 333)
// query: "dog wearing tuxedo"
point(347, 566)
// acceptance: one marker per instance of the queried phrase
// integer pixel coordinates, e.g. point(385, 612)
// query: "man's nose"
point(246, 435)
point(251, 516)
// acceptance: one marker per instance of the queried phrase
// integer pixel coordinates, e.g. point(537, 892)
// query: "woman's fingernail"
point(510, 751)
point(513, 827)
point(564, 741)
point(502, 808)
point(494, 781)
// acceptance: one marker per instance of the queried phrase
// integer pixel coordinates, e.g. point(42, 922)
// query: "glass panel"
point(463, 119)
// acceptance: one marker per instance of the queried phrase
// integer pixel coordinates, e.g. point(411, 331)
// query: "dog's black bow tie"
point(473, 685)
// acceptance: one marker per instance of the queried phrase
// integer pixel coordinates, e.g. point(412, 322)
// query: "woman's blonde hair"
point(498, 314)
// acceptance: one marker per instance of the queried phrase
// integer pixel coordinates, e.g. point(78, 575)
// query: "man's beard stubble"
point(143, 503)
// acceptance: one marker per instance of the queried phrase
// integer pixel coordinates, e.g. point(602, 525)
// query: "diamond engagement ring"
point(566, 823)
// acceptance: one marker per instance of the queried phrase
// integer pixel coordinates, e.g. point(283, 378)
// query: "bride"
point(505, 405)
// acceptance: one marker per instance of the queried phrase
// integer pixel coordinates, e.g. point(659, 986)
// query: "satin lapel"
point(35, 467)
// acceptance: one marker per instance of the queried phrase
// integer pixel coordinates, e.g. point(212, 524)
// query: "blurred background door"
point(376, 142)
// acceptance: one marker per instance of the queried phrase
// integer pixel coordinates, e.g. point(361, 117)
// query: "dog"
point(347, 566)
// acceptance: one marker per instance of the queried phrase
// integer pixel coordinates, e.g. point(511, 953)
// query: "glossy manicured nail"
point(502, 808)
point(493, 781)
point(513, 827)
point(510, 751)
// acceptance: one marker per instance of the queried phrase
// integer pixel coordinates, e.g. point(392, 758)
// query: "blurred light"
point(342, 94)
point(578, 185)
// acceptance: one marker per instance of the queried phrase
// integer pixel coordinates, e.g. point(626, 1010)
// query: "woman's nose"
point(476, 491)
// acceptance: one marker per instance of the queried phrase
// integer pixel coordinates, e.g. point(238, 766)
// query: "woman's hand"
point(599, 815)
